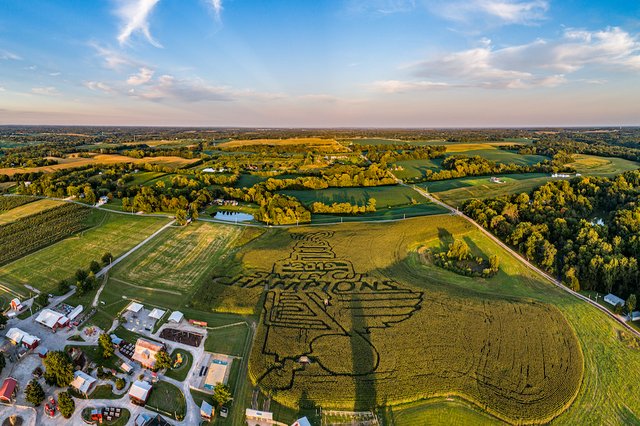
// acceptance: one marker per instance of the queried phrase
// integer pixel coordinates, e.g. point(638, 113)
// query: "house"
point(176, 316)
point(139, 392)
point(145, 419)
point(206, 411)
point(145, 352)
point(496, 180)
point(16, 305)
point(156, 313)
point(134, 307)
point(83, 382)
point(613, 300)
point(52, 319)
point(258, 418)
point(19, 337)
point(302, 422)
point(8, 390)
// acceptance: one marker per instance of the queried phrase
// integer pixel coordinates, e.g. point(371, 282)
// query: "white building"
point(156, 313)
point(52, 319)
point(83, 382)
point(176, 316)
point(613, 300)
point(20, 337)
point(134, 307)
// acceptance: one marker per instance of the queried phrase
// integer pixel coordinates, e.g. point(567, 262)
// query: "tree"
point(163, 360)
point(120, 383)
point(459, 250)
point(494, 262)
point(42, 299)
point(181, 217)
point(89, 195)
point(3, 320)
point(3, 362)
point(107, 258)
point(81, 275)
point(106, 344)
point(59, 369)
point(66, 404)
point(94, 267)
point(221, 394)
point(631, 303)
point(34, 393)
point(63, 286)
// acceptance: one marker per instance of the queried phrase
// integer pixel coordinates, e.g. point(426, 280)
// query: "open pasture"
point(317, 143)
point(179, 259)
point(416, 168)
point(27, 210)
point(503, 156)
point(385, 196)
point(593, 165)
point(112, 233)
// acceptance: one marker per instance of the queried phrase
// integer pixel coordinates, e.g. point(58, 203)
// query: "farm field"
point(27, 210)
point(456, 191)
point(427, 298)
point(71, 162)
point(228, 340)
point(111, 233)
point(501, 155)
point(602, 166)
point(179, 259)
point(386, 196)
point(320, 143)
point(444, 413)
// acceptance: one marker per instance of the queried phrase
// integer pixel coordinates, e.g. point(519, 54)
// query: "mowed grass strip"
point(178, 259)
point(27, 210)
point(114, 233)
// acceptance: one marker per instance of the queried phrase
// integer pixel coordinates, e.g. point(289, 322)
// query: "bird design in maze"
point(318, 304)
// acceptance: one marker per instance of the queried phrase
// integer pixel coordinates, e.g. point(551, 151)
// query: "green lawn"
point(385, 196)
point(94, 353)
point(181, 372)
point(114, 233)
point(437, 412)
point(167, 398)
point(229, 340)
point(602, 166)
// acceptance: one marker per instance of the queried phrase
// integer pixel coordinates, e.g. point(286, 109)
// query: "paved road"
point(531, 266)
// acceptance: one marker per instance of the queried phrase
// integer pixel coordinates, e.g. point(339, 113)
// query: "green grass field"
point(602, 166)
point(168, 398)
point(228, 340)
point(393, 253)
point(180, 373)
point(386, 196)
point(112, 233)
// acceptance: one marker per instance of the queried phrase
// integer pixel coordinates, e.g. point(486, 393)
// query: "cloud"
point(382, 7)
point(98, 86)
point(217, 8)
point(2, 89)
point(134, 17)
point(143, 76)
point(55, 74)
point(498, 11)
point(113, 59)
point(47, 91)
point(6, 55)
point(540, 63)
point(169, 87)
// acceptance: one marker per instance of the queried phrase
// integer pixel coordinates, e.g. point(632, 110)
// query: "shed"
point(83, 382)
point(8, 390)
point(42, 352)
point(15, 304)
point(613, 300)
point(176, 316)
point(206, 410)
point(115, 339)
point(127, 368)
point(76, 311)
point(302, 422)
point(139, 392)
point(635, 315)
point(135, 307)
point(156, 313)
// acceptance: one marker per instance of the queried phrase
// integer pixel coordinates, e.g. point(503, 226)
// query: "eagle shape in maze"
point(316, 301)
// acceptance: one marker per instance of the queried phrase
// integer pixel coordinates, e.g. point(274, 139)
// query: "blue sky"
point(387, 63)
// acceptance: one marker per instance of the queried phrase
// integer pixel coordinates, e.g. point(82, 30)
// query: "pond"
point(233, 216)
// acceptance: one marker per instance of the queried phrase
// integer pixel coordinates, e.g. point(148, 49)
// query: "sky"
point(320, 63)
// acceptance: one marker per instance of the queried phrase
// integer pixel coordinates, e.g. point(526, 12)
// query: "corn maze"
point(334, 337)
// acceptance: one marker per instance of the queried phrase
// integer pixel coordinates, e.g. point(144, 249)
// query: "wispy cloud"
point(134, 17)
point(98, 86)
point(143, 76)
point(46, 91)
point(382, 7)
point(217, 8)
point(113, 59)
point(169, 87)
point(499, 11)
point(6, 55)
point(541, 63)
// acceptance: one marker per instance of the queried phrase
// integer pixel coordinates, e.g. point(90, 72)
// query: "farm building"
point(258, 418)
point(176, 316)
point(8, 390)
point(19, 337)
point(302, 422)
point(144, 419)
point(217, 373)
point(75, 312)
point(156, 313)
point(145, 352)
point(206, 411)
point(42, 352)
point(127, 368)
point(134, 307)
point(52, 319)
point(16, 305)
point(613, 300)
point(635, 315)
point(83, 382)
point(115, 340)
point(139, 392)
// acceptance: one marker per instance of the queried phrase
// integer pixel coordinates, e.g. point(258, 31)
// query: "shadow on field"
point(445, 238)
point(364, 358)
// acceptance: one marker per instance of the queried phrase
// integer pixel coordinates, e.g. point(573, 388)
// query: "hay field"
point(27, 210)
point(113, 233)
point(319, 143)
point(593, 165)
point(178, 259)
point(74, 161)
